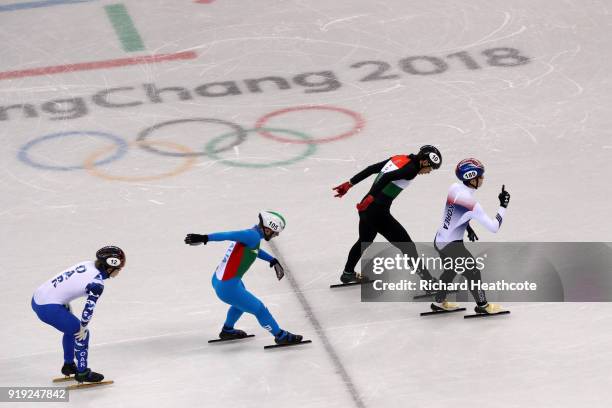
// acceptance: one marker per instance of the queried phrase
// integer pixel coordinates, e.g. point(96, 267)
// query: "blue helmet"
point(468, 169)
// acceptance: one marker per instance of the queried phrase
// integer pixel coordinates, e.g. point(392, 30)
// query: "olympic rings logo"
point(213, 149)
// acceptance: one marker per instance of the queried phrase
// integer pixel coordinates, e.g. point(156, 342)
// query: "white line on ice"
point(340, 20)
point(331, 352)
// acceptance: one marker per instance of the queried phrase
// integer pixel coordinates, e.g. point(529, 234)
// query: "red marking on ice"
point(86, 66)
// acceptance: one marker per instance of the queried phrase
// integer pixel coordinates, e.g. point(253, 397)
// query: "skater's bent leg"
point(447, 277)
point(367, 234)
point(60, 318)
point(396, 234)
point(235, 294)
point(81, 351)
point(473, 277)
point(227, 291)
point(68, 345)
point(250, 304)
point(266, 320)
point(353, 257)
point(457, 251)
point(233, 314)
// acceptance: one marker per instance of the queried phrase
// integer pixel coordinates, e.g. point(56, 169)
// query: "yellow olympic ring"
point(188, 162)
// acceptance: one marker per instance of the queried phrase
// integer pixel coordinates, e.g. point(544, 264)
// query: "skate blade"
point(287, 345)
point(341, 285)
point(222, 340)
point(63, 379)
point(88, 385)
point(426, 295)
point(503, 312)
point(459, 309)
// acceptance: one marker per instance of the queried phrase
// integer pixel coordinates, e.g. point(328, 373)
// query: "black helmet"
point(111, 257)
point(432, 155)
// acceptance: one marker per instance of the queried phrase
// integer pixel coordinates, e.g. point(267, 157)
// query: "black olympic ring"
point(239, 131)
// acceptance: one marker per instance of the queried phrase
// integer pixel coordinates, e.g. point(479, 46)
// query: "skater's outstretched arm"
point(343, 188)
point(248, 237)
point(368, 171)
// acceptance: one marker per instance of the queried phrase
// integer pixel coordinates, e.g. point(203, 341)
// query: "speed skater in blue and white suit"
point(51, 303)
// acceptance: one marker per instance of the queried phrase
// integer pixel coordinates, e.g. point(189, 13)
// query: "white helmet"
point(272, 220)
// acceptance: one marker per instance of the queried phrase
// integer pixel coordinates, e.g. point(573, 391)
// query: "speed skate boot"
point(445, 306)
point(229, 333)
point(489, 308)
point(351, 277)
point(88, 376)
point(69, 369)
point(284, 337)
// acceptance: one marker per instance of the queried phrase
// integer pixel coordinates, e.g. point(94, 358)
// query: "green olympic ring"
point(211, 149)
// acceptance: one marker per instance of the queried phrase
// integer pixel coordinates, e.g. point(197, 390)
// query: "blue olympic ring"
point(122, 147)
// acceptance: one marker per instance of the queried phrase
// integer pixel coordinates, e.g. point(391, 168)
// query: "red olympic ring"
point(357, 118)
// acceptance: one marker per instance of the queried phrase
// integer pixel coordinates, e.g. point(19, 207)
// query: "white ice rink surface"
point(541, 127)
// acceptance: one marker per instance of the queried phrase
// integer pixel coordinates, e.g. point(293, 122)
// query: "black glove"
point(278, 268)
point(504, 197)
point(196, 239)
point(471, 234)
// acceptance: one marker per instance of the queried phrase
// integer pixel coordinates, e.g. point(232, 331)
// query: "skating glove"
point(471, 234)
point(342, 189)
point(196, 239)
point(278, 268)
point(365, 203)
point(81, 334)
point(504, 197)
